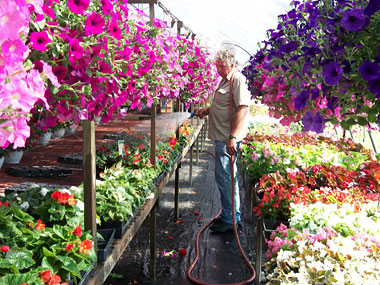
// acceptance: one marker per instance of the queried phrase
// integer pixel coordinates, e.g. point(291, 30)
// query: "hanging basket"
point(44, 138)
point(58, 133)
point(14, 157)
point(71, 129)
point(1, 161)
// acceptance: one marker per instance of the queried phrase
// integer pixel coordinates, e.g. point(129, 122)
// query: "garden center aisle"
point(219, 262)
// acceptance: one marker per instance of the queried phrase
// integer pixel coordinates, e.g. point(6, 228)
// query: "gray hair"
point(226, 55)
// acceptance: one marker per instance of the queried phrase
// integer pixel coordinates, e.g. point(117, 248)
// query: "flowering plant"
point(35, 248)
point(321, 64)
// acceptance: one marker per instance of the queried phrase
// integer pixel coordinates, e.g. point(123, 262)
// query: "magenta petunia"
point(78, 6)
point(115, 30)
point(75, 50)
point(40, 40)
point(60, 72)
point(94, 24)
point(106, 6)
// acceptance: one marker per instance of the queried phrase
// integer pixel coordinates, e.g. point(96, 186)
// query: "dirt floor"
point(220, 260)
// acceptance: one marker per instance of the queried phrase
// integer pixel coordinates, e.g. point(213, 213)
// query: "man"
point(227, 139)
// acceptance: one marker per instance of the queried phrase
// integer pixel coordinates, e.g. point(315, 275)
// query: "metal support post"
point(259, 249)
point(372, 141)
point(152, 267)
point(176, 193)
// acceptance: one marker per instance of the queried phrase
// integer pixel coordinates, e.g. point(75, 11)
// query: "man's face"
point(222, 68)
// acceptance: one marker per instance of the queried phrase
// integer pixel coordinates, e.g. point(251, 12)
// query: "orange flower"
point(72, 201)
point(40, 225)
point(78, 231)
point(85, 246)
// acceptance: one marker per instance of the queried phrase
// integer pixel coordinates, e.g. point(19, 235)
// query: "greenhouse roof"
point(243, 23)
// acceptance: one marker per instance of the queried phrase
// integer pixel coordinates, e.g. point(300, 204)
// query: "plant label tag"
point(120, 146)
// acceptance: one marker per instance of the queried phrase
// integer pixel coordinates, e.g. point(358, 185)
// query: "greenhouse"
point(189, 142)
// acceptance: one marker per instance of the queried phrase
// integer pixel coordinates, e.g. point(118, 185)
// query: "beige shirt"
point(219, 115)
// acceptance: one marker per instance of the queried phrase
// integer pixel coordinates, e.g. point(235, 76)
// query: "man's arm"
point(237, 124)
point(202, 112)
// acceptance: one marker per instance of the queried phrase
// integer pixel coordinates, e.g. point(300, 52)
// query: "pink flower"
point(75, 50)
point(78, 6)
point(40, 40)
point(48, 11)
point(106, 6)
point(255, 156)
point(12, 20)
point(94, 24)
point(14, 50)
point(60, 72)
point(115, 30)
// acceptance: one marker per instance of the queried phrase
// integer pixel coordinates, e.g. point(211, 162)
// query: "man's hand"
point(202, 112)
point(231, 146)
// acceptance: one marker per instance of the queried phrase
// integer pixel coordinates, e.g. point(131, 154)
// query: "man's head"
point(225, 62)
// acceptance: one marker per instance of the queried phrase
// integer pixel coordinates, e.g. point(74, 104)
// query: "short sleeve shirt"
point(219, 115)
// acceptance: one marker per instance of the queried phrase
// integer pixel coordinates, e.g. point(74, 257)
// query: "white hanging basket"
point(44, 138)
point(58, 133)
point(14, 157)
point(1, 161)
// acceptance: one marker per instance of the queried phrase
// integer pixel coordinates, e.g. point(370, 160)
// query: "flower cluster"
point(321, 64)
point(21, 83)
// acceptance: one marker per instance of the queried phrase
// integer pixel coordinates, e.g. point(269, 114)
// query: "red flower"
point(85, 246)
point(55, 280)
point(182, 252)
point(45, 276)
point(4, 204)
point(78, 231)
point(40, 225)
point(4, 248)
point(170, 237)
point(69, 247)
point(172, 141)
point(196, 213)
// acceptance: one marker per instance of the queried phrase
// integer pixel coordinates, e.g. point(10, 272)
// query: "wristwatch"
point(231, 137)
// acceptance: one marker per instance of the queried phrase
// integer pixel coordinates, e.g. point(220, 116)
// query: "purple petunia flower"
point(314, 93)
point(40, 40)
point(332, 103)
point(307, 121)
point(94, 24)
point(369, 70)
point(372, 7)
point(289, 47)
point(353, 20)
point(78, 6)
point(374, 86)
point(318, 123)
point(332, 73)
point(301, 100)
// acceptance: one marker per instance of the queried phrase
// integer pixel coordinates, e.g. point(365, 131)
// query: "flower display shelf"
point(269, 226)
point(37, 171)
point(120, 227)
point(74, 158)
point(104, 244)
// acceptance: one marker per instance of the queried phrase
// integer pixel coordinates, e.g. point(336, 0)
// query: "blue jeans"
point(223, 181)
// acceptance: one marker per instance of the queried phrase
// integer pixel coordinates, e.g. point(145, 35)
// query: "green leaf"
point(372, 118)
point(362, 121)
point(70, 265)
point(22, 258)
point(48, 253)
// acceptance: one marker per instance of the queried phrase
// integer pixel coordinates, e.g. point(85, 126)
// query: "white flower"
point(43, 192)
point(24, 206)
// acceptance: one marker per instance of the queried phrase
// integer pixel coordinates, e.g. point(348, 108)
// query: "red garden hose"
point(191, 267)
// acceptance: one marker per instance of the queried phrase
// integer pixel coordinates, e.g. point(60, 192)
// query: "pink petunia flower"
point(106, 6)
point(75, 50)
point(60, 72)
point(94, 24)
point(14, 50)
point(78, 6)
point(12, 20)
point(40, 40)
point(115, 30)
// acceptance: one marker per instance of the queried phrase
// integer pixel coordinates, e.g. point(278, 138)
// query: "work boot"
point(223, 227)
